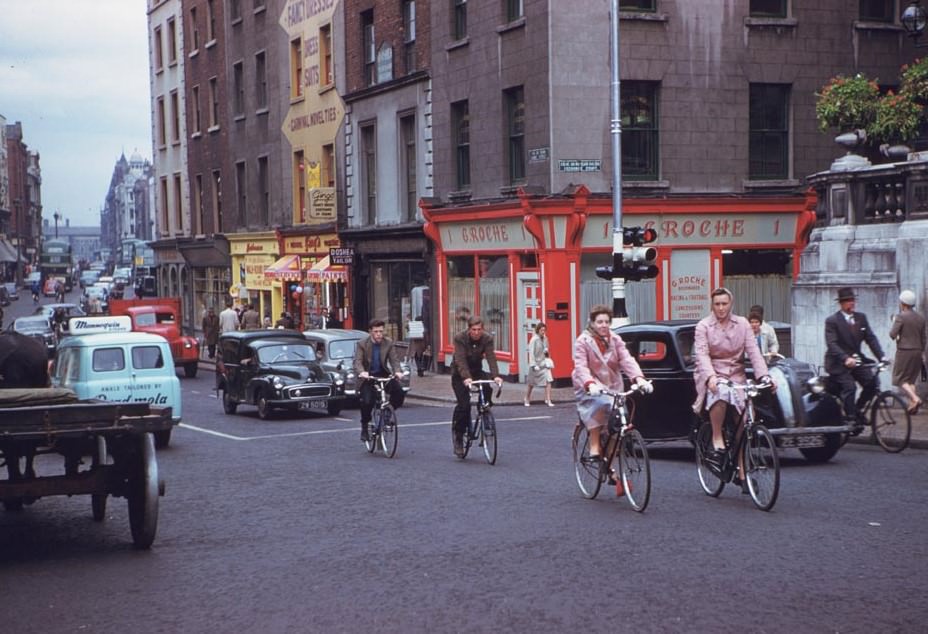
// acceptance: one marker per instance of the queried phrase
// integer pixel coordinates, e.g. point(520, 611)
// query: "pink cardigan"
point(590, 364)
point(719, 350)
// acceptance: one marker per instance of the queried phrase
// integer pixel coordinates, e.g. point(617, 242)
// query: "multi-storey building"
point(718, 130)
point(21, 203)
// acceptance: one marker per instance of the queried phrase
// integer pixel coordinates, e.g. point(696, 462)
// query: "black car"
point(275, 369)
point(38, 328)
point(794, 415)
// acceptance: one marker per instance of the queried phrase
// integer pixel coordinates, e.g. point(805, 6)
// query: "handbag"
point(548, 363)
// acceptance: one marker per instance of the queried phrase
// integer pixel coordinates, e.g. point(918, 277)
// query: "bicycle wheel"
point(587, 470)
point(891, 423)
point(762, 467)
point(636, 470)
point(373, 424)
point(709, 478)
point(488, 436)
point(388, 431)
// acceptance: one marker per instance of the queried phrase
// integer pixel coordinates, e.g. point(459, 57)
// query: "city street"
point(289, 525)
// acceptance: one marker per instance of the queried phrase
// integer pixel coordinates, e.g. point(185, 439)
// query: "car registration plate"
point(314, 405)
point(804, 440)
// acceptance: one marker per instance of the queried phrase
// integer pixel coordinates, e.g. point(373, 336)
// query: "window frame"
point(241, 193)
point(646, 136)
point(762, 135)
point(238, 87)
point(296, 68)
point(639, 8)
point(515, 10)
point(781, 12)
point(513, 103)
point(408, 164)
point(460, 135)
point(195, 110)
point(367, 132)
point(458, 19)
point(261, 93)
point(368, 48)
point(264, 190)
point(888, 15)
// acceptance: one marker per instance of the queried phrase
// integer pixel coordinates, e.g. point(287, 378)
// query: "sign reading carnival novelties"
point(97, 325)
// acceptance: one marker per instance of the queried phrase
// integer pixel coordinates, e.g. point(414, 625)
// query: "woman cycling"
point(600, 359)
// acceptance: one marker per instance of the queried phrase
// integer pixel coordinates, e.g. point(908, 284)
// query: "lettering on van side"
point(157, 399)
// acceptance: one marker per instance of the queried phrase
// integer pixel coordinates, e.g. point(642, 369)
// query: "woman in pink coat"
point(722, 341)
point(600, 358)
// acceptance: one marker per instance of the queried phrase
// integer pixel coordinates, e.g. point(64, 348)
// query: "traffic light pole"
point(620, 316)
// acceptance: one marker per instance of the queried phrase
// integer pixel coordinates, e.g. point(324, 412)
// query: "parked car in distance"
point(335, 351)
point(40, 329)
point(11, 291)
point(4, 296)
point(274, 369)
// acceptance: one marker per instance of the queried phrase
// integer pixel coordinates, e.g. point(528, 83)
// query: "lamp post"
point(57, 217)
point(19, 241)
point(914, 20)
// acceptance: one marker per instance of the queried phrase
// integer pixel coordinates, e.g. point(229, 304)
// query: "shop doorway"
point(530, 314)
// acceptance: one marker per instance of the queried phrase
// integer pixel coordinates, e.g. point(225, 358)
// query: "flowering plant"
point(915, 80)
point(847, 103)
point(897, 118)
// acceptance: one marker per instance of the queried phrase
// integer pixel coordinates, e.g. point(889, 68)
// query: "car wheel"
point(334, 407)
point(833, 443)
point(264, 409)
point(228, 405)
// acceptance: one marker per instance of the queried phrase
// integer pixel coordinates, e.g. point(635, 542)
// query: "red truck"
point(161, 316)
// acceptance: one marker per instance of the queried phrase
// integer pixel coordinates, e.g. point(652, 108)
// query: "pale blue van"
point(122, 367)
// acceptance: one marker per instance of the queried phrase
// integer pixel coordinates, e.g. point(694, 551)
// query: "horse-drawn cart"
point(108, 450)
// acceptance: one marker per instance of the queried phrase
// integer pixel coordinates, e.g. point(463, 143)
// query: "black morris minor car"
point(274, 369)
point(795, 414)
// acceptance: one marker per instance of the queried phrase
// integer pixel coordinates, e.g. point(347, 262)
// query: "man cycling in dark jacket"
point(471, 347)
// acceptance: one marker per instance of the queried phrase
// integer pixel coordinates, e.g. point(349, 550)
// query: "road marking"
point(315, 432)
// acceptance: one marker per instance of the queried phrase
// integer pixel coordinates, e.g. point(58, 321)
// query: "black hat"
point(845, 294)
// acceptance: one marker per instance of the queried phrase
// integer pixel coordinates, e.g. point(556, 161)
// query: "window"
point(178, 204)
point(409, 35)
point(217, 200)
point(235, 11)
point(460, 132)
point(165, 216)
point(162, 132)
point(172, 42)
point(768, 144)
point(459, 19)
point(175, 117)
point(369, 173)
point(147, 357)
point(240, 193)
point(768, 8)
point(264, 194)
point(210, 20)
point(259, 5)
point(261, 81)
point(325, 55)
point(108, 360)
point(637, 5)
point(299, 183)
point(328, 165)
point(877, 10)
point(213, 103)
point(238, 84)
point(408, 165)
point(296, 68)
point(640, 133)
point(195, 108)
point(369, 44)
point(515, 132)
point(514, 10)
point(159, 50)
point(199, 217)
point(194, 30)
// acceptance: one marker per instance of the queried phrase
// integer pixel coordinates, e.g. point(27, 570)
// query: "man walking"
point(211, 331)
point(251, 320)
point(228, 319)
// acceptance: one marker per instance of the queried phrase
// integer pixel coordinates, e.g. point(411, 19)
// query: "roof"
point(112, 339)
point(330, 334)
point(265, 334)
point(671, 325)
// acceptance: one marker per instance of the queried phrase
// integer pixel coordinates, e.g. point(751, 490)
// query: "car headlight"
point(187, 344)
point(815, 385)
point(278, 383)
point(349, 376)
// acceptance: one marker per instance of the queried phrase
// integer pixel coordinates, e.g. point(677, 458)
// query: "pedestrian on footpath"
point(211, 331)
point(539, 365)
point(228, 319)
point(908, 331)
point(251, 320)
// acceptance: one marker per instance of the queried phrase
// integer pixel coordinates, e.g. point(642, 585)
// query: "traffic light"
point(636, 262)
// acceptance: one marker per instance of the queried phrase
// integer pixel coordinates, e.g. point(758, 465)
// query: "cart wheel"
point(98, 500)
point(190, 370)
point(228, 405)
point(143, 494)
point(163, 438)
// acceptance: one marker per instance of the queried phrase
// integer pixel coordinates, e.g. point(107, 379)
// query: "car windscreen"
point(283, 353)
point(145, 319)
point(30, 325)
point(342, 348)
point(165, 318)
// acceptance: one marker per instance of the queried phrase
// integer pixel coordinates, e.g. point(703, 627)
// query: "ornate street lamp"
point(57, 217)
point(914, 20)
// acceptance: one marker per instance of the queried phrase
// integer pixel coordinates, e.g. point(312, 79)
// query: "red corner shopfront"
point(520, 261)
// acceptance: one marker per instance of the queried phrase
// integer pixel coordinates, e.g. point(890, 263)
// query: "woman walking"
point(539, 365)
point(908, 331)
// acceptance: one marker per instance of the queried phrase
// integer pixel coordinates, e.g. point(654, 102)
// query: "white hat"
point(907, 297)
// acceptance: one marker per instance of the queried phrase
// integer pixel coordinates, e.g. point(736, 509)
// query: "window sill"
point(175, 143)
point(770, 184)
point(656, 184)
point(297, 99)
point(261, 111)
point(210, 44)
point(213, 129)
point(459, 196)
point(162, 148)
point(326, 88)
point(863, 25)
point(196, 135)
point(642, 16)
point(172, 63)
point(236, 21)
point(457, 44)
point(194, 53)
point(511, 191)
point(159, 70)
point(238, 117)
point(260, 9)
point(756, 22)
point(518, 23)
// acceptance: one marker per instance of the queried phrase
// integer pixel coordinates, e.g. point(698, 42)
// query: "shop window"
point(461, 292)
point(877, 10)
point(768, 8)
point(768, 145)
point(494, 298)
point(640, 134)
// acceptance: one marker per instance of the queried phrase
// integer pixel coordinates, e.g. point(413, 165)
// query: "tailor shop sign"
point(485, 235)
point(731, 229)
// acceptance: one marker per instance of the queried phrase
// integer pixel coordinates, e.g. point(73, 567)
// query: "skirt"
point(907, 366)
point(539, 377)
point(594, 410)
point(731, 396)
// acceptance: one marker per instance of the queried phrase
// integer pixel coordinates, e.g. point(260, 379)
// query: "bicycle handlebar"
point(636, 387)
point(479, 382)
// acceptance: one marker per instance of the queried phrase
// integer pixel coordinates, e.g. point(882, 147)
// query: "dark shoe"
point(364, 435)
point(459, 445)
point(743, 484)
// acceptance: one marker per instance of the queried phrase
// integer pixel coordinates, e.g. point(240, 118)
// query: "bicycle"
point(753, 444)
point(623, 457)
point(382, 428)
point(482, 426)
point(885, 413)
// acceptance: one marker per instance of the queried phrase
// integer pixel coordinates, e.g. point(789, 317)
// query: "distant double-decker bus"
point(55, 261)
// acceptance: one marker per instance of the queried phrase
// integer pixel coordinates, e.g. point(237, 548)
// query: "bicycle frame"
point(381, 400)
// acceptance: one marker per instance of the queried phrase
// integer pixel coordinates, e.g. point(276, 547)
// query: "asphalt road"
point(289, 525)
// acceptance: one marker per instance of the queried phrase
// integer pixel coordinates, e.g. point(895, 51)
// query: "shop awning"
point(325, 271)
point(8, 252)
point(286, 268)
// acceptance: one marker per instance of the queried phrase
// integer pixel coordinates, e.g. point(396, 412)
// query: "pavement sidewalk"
point(437, 387)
